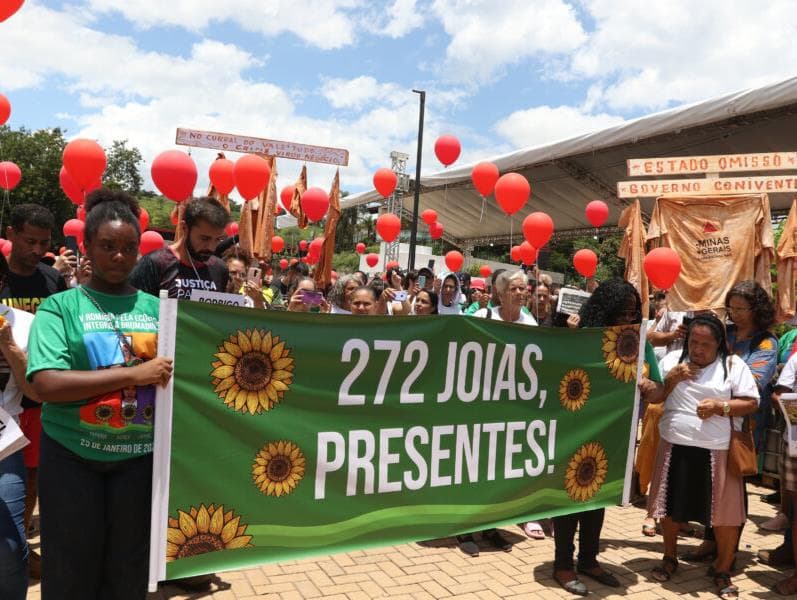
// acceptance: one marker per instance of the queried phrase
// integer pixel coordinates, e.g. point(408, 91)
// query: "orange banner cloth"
point(264, 229)
point(632, 249)
point(721, 240)
point(299, 188)
point(323, 271)
point(787, 252)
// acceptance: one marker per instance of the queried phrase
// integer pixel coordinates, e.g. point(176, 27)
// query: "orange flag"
point(786, 253)
point(323, 272)
point(299, 188)
point(632, 249)
point(264, 230)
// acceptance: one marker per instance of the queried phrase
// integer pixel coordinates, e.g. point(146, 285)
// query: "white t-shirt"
point(680, 424)
point(667, 324)
point(788, 375)
point(20, 320)
point(524, 319)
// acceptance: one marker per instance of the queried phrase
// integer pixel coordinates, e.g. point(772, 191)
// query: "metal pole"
point(417, 201)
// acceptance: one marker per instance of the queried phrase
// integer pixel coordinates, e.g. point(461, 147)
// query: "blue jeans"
point(13, 542)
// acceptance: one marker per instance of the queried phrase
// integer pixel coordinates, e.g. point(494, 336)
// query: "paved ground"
point(440, 570)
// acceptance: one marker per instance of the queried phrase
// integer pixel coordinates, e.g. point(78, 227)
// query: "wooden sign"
point(252, 145)
point(704, 187)
point(720, 163)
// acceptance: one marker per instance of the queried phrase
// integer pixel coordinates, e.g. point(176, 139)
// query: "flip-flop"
point(648, 530)
point(534, 530)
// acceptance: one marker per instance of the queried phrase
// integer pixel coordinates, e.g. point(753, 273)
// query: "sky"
point(499, 74)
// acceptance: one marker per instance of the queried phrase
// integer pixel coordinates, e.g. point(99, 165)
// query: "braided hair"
point(717, 331)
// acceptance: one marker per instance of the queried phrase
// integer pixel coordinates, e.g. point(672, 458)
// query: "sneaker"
point(468, 545)
point(777, 523)
point(779, 557)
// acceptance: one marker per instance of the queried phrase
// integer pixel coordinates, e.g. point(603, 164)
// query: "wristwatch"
point(726, 409)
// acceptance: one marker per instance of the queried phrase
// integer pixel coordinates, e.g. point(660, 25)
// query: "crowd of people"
point(80, 378)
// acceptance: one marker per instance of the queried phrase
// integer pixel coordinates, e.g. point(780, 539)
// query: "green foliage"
point(346, 262)
point(159, 209)
point(122, 172)
point(38, 154)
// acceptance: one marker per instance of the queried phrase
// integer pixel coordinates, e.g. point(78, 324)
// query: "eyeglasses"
point(737, 309)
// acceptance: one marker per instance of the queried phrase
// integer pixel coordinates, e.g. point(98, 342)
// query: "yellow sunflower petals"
point(256, 339)
point(224, 384)
point(217, 521)
point(278, 386)
point(175, 536)
point(202, 519)
point(244, 343)
point(233, 349)
point(229, 530)
point(282, 363)
point(281, 375)
point(251, 402)
point(187, 524)
point(172, 550)
point(225, 358)
point(265, 344)
point(238, 542)
point(223, 371)
point(276, 351)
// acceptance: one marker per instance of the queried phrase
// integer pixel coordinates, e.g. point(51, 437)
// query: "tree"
point(39, 155)
point(123, 170)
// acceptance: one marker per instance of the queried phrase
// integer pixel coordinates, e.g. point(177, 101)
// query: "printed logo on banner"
point(713, 245)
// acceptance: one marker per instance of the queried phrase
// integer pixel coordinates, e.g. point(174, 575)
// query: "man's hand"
point(66, 263)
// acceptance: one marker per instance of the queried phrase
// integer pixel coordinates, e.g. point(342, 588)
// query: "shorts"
point(30, 421)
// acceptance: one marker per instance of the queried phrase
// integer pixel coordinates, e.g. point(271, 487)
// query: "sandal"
point(665, 570)
point(726, 591)
point(534, 530)
point(574, 586)
point(648, 530)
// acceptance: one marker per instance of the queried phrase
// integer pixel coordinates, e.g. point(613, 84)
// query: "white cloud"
point(543, 124)
point(651, 55)
point(487, 35)
point(325, 24)
point(404, 16)
point(358, 92)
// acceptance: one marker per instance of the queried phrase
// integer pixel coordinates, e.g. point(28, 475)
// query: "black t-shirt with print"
point(162, 270)
point(27, 292)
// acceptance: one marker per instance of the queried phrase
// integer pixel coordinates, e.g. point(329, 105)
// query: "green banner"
point(294, 434)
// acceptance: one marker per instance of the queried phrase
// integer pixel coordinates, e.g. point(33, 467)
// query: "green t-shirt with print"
point(70, 333)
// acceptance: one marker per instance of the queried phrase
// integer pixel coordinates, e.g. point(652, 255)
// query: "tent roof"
point(566, 175)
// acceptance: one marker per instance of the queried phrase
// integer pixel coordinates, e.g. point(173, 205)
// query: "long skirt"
point(694, 484)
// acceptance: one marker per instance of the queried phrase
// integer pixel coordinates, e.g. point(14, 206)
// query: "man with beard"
point(189, 263)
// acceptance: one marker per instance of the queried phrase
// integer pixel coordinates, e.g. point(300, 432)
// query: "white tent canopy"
point(568, 174)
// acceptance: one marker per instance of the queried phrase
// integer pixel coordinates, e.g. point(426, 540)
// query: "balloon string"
point(481, 217)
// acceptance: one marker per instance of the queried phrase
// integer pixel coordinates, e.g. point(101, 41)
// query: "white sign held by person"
point(570, 301)
point(11, 436)
point(217, 298)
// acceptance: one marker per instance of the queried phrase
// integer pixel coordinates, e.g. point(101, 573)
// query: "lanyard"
point(134, 360)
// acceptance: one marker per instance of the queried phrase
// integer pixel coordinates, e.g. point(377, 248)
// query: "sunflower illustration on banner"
point(278, 468)
point(621, 351)
point(574, 389)
point(252, 371)
point(586, 472)
point(204, 529)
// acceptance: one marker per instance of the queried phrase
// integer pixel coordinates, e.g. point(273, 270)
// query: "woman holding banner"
point(707, 392)
point(92, 362)
point(614, 303)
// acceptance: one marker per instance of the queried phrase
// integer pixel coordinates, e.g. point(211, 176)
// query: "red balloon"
point(75, 228)
point(537, 229)
point(485, 271)
point(360, 247)
point(429, 216)
point(388, 226)
point(662, 266)
point(80, 214)
point(302, 245)
point(5, 109)
point(251, 174)
point(221, 175)
point(315, 204)
point(277, 244)
point(511, 192)
point(454, 260)
point(72, 190)
point(586, 262)
point(597, 212)
point(385, 181)
point(436, 231)
point(527, 253)
point(231, 229)
point(6, 248)
point(393, 264)
point(8, 8)
point(143, 219)
point(283, 264)
point(174, 173)
point(484, 176)
point(294, 261)
point(315, 247)
point(286, 197)
point(85, 161)
point(514, 254)
point(372, 259)
point(447, 149)
point(150, 241)
point(10, 175)
point(311, 258)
